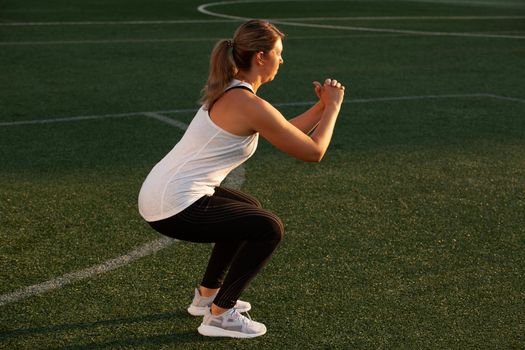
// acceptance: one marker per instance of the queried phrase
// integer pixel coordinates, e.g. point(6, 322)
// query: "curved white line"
point(235, 179)
point(55, 283)
point(204, 9)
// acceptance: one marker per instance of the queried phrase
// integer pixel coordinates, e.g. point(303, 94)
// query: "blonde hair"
point(230, 56)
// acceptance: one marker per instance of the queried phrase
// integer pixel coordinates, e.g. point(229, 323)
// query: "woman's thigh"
point(226, 192)
point(220, 218)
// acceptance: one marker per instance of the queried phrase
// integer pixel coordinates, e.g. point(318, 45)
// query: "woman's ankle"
point(217, 310)
point(207, 292)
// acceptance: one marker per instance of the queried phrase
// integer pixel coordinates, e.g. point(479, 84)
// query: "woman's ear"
point(259, 56)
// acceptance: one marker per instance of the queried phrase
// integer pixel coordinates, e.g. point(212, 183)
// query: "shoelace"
point(237, 315)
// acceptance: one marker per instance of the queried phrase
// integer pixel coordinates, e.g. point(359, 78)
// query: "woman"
point(182, 197)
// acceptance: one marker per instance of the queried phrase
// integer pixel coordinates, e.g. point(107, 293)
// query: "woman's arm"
point(287, 137)
point(309, 120)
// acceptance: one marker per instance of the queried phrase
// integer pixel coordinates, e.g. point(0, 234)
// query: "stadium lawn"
point(409, 234)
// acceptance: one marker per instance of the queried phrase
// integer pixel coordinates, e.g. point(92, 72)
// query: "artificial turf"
point(409, 234)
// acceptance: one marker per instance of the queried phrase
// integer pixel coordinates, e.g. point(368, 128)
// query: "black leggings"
point(245, 236)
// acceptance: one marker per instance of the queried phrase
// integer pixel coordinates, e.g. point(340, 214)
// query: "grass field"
point(410, 234)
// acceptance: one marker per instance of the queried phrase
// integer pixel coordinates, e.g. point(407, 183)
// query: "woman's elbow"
point(315, 156)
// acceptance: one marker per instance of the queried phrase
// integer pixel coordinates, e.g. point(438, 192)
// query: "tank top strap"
point(237, 84)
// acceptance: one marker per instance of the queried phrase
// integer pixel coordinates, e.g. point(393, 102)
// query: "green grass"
point(409, 234)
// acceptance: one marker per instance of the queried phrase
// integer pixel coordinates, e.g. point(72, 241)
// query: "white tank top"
point(197, 164)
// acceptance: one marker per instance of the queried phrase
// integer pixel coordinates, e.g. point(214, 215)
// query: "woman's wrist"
point(332, 106)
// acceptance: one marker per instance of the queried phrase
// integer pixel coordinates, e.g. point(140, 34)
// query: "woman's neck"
point(252, 79)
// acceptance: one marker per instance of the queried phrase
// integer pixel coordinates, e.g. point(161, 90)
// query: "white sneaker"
point(200, 304)
point(230, 324)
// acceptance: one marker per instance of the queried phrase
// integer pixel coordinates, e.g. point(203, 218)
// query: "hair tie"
point(229, 43)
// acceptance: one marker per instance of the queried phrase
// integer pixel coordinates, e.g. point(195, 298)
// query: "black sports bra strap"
point(239, 87)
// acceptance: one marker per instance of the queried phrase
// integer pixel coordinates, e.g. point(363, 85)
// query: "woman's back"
point(197, 164)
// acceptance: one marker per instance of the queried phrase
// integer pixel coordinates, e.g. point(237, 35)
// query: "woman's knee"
point(256, 202)
point(251, 200)
point(274, 228)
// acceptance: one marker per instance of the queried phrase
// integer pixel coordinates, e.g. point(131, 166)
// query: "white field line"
point(399, 18)
point(90, 117)
point(204, 9)
point(100, 23)
point(59, 282)
point(402, 98)
point(514, 99)
point(497, 3)
point(207, 21)
point(104, 41)
point(279, 104)
point(167, 120)
point(410, 98)
point(399, 31)
point(174, 40)
point(154, 246)
point(235, 180)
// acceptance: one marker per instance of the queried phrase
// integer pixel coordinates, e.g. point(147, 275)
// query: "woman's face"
point(272, 60)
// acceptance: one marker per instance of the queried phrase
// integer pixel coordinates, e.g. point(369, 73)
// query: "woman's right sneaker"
point(230, 324)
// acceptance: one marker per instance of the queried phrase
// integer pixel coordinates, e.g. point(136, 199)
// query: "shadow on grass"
point(160, 339)
point(155, 341)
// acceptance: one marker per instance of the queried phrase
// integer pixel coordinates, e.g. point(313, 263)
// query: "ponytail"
point(230, 56)
point(222, 71)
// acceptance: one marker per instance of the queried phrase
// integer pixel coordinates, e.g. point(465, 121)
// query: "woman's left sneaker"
point(200, 304)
